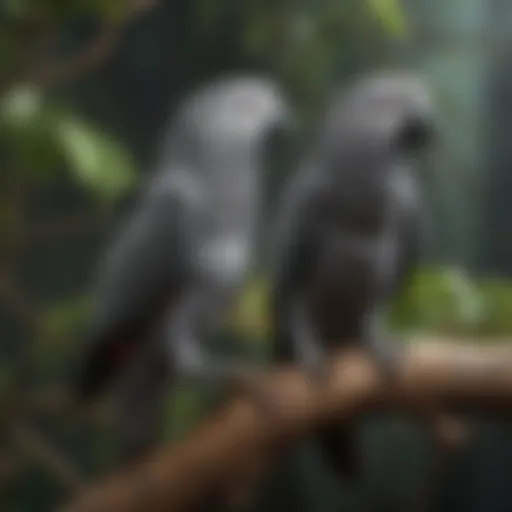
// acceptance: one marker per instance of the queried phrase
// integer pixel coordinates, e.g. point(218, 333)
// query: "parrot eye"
point(415, 134)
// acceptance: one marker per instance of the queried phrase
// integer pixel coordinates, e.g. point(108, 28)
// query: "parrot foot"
point(307, 346)
point(387, 354)
point(316, 367)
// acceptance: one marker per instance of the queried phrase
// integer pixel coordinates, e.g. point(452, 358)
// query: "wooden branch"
point(50, 72)
point(240, 441)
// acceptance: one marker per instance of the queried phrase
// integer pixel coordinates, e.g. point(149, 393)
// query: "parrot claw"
point(310, 353)
point(387, 354)
point(317, 368)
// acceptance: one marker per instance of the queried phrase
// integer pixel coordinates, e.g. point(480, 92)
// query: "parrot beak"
point(289, 119)
point(417, 133)
point(284, 119)
point(283, 127)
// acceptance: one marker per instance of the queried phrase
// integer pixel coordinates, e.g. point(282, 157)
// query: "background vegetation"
point(85, 91)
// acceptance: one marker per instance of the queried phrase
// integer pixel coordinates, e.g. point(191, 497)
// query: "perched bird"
point(182, 255)
point(348, 234)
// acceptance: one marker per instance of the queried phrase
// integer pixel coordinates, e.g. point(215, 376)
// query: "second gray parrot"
point(182, 255)
point(349, 233)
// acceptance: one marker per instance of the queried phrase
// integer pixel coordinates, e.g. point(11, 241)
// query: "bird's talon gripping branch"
point(387, 356)
point(317, 369)
point(311, 355)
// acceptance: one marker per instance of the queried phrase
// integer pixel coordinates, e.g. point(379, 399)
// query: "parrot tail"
point(102, 363)
point(140, 404)
point(339, 447)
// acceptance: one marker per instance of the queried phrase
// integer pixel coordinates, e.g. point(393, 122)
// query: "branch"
point(52, 72)
point(240, 440)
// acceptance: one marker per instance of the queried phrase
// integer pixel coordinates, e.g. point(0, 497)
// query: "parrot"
point(167, 280)
point(348, 234)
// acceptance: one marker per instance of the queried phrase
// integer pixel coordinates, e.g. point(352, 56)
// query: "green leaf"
point(469, 303)
point(40, 138)
point(446, 301)
point(27, 125)
point(21, 105)
point(497, 299)
point(249, 316)
point(390, 14)
point(96, 159)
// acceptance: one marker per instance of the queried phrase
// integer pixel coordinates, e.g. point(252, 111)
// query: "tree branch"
point(240, 441)
point(50, 72)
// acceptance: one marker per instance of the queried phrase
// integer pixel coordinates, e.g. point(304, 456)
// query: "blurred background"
point(86, 89)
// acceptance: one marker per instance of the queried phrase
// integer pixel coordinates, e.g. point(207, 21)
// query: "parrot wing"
point(141, 274)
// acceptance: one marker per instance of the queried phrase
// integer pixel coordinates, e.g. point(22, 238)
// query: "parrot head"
point(236, 111)
point(388, 109)
point(374, 138)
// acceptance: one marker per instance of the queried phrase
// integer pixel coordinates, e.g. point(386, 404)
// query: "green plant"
point(442, 300)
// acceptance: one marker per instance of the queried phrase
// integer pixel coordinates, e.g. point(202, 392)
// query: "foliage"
point(437, 300)
point(306, 42)
point(250, 311)
point(447, 301)
point(98, 161)
point(42, 139)
point(389, 13)
point(45, 141)
point(497, 297)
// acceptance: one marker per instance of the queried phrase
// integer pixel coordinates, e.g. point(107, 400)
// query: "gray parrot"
point(180, 258)
point(348, 235)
